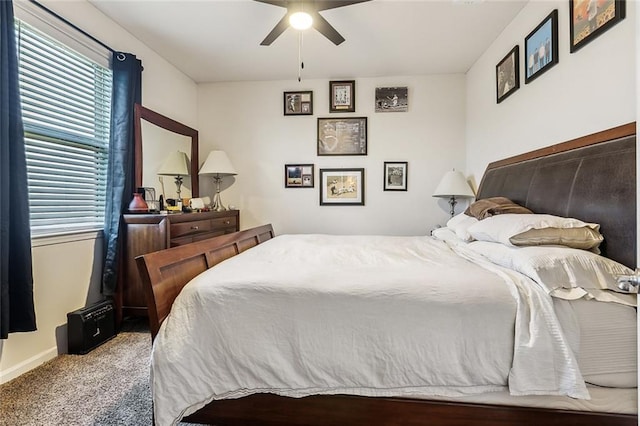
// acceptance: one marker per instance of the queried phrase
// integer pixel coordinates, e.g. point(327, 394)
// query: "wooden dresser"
point(145, 233)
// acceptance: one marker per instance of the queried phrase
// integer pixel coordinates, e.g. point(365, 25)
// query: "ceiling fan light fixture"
point(300, 20)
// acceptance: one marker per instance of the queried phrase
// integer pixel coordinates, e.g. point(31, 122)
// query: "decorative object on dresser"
point(342, 136)
point(589, 19)
point(395, 175)
point(453, 184)
point(342, 187)
point(138, 204)
point(342, 96)
point(298, 103)
point(541, 47)
point(392, 99)
point(218, 165)
point(178, 165)
point(298, 176)
point(145, 233)
point(508, 75)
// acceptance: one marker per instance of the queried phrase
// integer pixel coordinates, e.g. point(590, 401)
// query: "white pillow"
point(555, 267)
point(460, 224)
point(447, 235)
point(501, 228)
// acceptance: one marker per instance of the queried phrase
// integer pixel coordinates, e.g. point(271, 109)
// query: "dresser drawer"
point(188, 228)
point(224, 222)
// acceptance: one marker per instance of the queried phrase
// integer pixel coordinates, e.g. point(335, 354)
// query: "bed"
point(591, 178)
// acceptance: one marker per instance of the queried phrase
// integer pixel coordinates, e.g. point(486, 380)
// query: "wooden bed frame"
point(164, 273)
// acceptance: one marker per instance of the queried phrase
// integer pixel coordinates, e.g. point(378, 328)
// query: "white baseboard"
point(27, 365)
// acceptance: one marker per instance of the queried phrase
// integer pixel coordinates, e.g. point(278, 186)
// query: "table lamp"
point(453, 184)
point(217, 165)
point(177, 164)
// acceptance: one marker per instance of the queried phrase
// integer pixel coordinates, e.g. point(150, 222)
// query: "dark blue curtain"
point(127, 76)
point(16, 278)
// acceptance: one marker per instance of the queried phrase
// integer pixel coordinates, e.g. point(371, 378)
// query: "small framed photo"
point(342, 136)
point(298, 176)
point(507, 74)
point(395, 175)
point(392, 99)
point(590, 18)
point(541, 47)
point(342, 96)
point(342, 187)
point(298, 103)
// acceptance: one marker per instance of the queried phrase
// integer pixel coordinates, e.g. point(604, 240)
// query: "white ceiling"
point(219, 40)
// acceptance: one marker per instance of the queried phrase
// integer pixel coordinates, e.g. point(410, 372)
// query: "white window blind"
point(66, 107)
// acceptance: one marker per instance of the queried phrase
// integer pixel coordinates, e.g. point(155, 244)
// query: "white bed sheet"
point(273, 320)
point(606, 342)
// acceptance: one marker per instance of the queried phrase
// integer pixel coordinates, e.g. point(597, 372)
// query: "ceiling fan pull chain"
point(300, 63)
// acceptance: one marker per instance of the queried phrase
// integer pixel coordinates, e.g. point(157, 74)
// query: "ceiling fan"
point(311, 7)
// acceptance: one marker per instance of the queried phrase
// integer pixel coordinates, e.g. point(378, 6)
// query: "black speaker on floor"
point(89, 327)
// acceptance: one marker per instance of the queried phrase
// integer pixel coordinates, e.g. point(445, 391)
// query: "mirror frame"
point(142, 113)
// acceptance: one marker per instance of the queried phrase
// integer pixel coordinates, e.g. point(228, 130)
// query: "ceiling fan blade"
point(331, 4)
point(281, 3)
point(276, 31)
point(325, 28)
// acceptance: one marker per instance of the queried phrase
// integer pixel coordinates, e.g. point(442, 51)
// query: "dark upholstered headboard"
point(592, 178)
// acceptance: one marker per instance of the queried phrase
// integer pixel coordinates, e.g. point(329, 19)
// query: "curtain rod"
point(66, 21)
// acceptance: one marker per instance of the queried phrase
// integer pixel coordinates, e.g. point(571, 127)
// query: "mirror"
point(156, 136)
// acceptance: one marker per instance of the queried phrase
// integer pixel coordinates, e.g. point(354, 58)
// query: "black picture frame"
point(508, 74)
point(342, 96)
point(587, 21)
point(299, 175)
point(392, 99)
point(395, 175)
point(342, 136)
point(342, 187)
point(298, 103)
point(541, 48)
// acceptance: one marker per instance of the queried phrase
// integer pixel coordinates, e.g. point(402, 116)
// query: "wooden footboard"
point(164, 273)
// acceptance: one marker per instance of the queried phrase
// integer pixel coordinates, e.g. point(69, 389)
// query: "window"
point(66, 107)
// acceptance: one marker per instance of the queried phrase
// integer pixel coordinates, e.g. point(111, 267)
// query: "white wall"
point(246, 120)
point(67, 271)
point(590, 90)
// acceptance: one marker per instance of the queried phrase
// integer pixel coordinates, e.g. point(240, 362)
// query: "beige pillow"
point(492, 206)
point(584, 238)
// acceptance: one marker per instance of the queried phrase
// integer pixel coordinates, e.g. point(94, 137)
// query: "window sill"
point(67, 237)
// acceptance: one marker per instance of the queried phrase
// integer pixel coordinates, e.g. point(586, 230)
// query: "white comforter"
point(364, 315)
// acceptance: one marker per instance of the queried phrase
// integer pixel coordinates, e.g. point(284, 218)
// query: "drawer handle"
point(195, 227)
point(227, 222)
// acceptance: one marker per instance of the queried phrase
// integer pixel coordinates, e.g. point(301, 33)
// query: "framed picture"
point(590, 18)
point(342, 96)
point(342, 136)
point(541, 47)
point(395, 176)
point(392, 99)
point(298, 103)
point(342, 187)
point(507, 74)
point(298, 176)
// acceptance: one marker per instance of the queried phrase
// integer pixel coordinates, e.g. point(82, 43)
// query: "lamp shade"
point(176, 164)
point(217, 163)
point(453, 184)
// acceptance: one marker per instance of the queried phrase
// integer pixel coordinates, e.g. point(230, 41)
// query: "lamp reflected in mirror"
point(177, 164)
point(217, 165)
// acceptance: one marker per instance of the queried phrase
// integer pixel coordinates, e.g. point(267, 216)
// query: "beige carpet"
point(107, 386)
